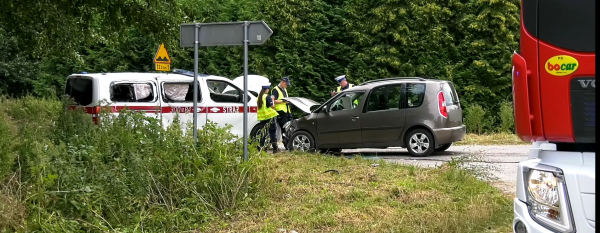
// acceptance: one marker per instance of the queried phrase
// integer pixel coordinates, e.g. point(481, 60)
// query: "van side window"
point(179, 92)
point(384, 98)
point(224, 92)
point(415, 92)
point(132, 92)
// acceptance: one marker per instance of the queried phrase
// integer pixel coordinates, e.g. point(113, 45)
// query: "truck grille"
point(583, 109)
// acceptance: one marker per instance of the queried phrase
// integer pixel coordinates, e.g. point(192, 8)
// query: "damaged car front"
point(304, 115)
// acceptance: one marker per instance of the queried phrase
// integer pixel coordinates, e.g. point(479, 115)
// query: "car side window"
point(132, 92)
point(179, 92)
point(415, 93)
point(346, 101)
point(224, 92)
point(384, 98)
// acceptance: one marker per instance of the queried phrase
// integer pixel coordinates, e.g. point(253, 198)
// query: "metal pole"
point(246, 90)
point(195, 84)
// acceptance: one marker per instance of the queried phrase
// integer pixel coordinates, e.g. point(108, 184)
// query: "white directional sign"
point(224, 34)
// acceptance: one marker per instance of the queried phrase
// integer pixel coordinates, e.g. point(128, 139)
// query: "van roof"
point(142, 75)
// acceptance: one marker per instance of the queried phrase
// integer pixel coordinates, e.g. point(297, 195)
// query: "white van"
point(166, 95)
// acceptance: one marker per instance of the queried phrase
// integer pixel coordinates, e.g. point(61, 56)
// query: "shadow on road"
point(396, 153)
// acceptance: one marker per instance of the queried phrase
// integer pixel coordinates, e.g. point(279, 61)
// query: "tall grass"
point(61, 173)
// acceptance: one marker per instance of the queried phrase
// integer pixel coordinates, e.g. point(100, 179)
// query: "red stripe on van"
point(172, 109)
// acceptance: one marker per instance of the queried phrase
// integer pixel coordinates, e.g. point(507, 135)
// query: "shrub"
point(128, 172)
point(507, 117)
point(475, 116)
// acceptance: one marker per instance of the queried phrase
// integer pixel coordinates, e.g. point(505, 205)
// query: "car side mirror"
point(325, 109)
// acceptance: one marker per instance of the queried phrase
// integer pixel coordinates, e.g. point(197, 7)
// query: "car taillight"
point(442, 105)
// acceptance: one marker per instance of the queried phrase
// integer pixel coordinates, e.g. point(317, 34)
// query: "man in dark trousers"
point(279, 92)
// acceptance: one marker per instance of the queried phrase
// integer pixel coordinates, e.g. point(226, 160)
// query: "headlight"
point(547, 197)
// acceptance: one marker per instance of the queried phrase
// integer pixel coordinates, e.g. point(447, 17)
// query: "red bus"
point(554, 72)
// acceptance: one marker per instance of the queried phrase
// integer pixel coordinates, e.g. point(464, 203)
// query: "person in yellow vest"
point(344, 85)
point(266, 115)
point(279, 92)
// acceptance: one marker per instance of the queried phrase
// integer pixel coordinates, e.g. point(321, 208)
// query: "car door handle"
point(354, 118)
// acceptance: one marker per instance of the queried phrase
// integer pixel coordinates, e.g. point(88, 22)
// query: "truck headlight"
point(547, 197)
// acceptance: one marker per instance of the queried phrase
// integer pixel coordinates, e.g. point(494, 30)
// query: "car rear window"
point(449, 94)
point(415, 92)
point(81, 90)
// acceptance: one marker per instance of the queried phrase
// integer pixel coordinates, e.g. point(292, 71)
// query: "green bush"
point(507, 117)
point(475, 119)
point(127, 173)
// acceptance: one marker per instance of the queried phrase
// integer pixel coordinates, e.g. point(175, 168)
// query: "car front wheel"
point(302, 141)
point(419, 143)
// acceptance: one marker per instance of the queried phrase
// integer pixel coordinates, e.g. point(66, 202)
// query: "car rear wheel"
point(302, 141)
point(419, 143)
point(443, 147)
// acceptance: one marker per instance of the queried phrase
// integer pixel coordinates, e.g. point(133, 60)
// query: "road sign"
point(162, 60)
point(225, 34)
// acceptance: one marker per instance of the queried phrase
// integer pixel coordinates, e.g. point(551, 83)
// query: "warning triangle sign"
point(162, 56)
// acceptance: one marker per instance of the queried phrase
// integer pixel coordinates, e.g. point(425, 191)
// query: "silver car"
point(422, 115)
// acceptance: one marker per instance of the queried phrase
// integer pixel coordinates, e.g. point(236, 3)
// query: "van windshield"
point(80, 90)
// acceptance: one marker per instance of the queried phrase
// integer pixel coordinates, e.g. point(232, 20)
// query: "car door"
point(383, 118)
point(225, 106)
point(177, 97)
point(340, 122)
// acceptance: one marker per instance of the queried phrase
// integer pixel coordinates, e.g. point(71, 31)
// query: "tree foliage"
point(469, 42)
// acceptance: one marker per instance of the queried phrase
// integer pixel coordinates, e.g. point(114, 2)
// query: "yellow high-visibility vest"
point(264, 112)
point(282, 106)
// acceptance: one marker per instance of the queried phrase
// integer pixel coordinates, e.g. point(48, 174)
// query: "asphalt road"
point(498, 164)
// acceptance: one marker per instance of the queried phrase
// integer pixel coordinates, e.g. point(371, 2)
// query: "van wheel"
point(302, 141)
point(254, 135)
point(443, 147)
point(419, 143)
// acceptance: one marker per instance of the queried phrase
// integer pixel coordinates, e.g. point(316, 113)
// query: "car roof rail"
point(187, 73)
point(390, 79)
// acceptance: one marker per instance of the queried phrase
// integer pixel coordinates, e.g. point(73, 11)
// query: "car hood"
point(301, 103)
point(255, 82)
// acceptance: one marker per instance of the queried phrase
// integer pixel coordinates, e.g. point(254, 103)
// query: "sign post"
point(224, 34)
point(162, 60)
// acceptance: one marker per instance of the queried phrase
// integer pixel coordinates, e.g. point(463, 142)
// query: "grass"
point(491, 139)
point(297, 195)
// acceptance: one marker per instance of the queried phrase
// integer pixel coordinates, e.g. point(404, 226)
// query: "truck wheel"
point(302, 141)
point(419, 143)
point(443, 147)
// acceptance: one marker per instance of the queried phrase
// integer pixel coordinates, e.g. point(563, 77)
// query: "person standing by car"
point(343, 84)
point(266, 115)
point(279, 92)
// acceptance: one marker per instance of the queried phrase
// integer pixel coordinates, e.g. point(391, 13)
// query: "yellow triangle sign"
point(162, 56)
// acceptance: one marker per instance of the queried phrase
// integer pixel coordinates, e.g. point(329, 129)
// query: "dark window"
point(415, 92)
point(179, 92)
point(81, 90)
point(384, 98)
point(132, 92)
point(568, 24)
point(224, 92)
